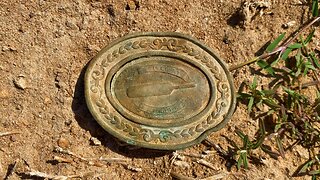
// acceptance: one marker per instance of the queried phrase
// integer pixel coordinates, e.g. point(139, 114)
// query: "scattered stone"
point(63, 143)
point(132, 168)
point(20, 82)
point(289, 24)
point(95, 141)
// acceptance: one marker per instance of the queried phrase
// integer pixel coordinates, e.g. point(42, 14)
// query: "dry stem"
point(8, 133)
point(55, 177)
point(280, 49)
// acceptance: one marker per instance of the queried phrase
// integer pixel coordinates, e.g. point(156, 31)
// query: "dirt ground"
point(44, 49)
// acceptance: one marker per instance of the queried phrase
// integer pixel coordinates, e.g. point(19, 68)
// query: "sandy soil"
point(45, 46)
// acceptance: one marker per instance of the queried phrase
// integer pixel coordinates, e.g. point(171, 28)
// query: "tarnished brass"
point(159, 90)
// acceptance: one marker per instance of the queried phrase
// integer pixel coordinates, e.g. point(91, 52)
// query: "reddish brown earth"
point(45, 46)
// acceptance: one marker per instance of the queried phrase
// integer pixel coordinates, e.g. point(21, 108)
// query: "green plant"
point(294, 113)
point(244, 151)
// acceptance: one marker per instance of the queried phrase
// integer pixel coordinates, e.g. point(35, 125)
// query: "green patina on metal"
point(131, 142)
point(159, 90)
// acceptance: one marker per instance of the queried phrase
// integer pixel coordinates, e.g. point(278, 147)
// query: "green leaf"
point(314, 177)
point(298, 57)
point(262, 131)
point(246, 142)
point(270, 103)
point(315, 8)
point(308, 65)
point(254, 83)
point(315, 60)
point(270, 112)
point(315, 172)
point(245, 160)
point(298, 72)
point(295, 46)
point(270, 152)
point(240, 133)
point(239, 162)
point(275, 43)
point(309, 37)
point(277, 127)
point(264, 65)
point(250, 104)
point(286, 53)
point(243, 95)
point(280, 146)
point(289, 91)
point(268, 92)
point(305, 167)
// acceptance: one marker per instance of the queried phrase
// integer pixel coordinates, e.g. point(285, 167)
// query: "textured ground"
point(45, 45)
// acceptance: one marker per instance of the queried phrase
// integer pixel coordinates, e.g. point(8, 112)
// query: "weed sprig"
point(287, 104)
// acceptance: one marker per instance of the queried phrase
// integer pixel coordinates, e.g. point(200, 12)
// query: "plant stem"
point(280, 49)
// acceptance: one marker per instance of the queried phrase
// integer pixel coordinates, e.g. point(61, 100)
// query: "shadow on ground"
point(87, 122)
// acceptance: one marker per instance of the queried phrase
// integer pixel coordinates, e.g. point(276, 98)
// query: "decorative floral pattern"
point(146, 134)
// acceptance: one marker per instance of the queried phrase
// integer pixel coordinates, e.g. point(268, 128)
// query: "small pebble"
point(95, 141)
point(20, 82)
point(63, 143)
point(289, 24)
point(135, 169)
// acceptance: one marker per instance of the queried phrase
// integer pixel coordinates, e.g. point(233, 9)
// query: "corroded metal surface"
point(159, 90)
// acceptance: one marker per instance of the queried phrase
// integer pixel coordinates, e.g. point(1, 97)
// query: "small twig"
point(91, 161)
point(55, 177)
point(8, 133)
point(272, 135)
point(217, 148)
point(217, 176)
point(132, 168)
point(307, 84)
point(280, 49)
point(64, 151)
point(206, 163)
point(61, 159)
point(45, 175)
point(201, 156)
point(110, 160)
point(180, 177)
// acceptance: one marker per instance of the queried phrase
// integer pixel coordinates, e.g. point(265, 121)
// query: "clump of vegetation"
point(291, 102)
